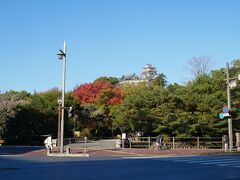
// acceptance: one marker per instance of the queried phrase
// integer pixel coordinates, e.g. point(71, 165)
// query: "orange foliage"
point(117, 99)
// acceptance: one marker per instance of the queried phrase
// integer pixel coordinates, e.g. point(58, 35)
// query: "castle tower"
point(149, 72)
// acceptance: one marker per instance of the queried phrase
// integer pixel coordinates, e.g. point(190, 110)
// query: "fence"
point(146, 142)
point(84, 144)
point(176, 143)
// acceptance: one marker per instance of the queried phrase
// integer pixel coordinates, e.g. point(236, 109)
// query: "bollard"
point(68, 150)
point(118, 143)
point(100, 143)
point(225, 146)
point(225, 142)
point(48, 150)
point(198, 143)
point(173, 146)
point(124, 136)
point(149, 142)
point(85, 144)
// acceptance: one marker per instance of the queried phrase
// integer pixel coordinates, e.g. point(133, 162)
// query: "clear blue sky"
point(111, 38)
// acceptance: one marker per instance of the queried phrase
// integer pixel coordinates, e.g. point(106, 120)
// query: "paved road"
point(139, 168)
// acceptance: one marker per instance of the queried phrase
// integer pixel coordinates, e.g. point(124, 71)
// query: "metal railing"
point(176, 142)
point(68, 141)
point(146, 142)
point(90, 144)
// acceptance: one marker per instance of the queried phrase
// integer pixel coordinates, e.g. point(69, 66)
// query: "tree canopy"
point(104, 108)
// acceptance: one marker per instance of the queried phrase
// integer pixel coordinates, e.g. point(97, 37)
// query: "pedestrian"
point(48, 142)
point(159, 141)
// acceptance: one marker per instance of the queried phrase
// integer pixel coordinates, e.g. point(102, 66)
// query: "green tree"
point(160, 80)
point(10, 104)
point(112, 80)
point(38, 118)
point(138, 110)
point(204, 99)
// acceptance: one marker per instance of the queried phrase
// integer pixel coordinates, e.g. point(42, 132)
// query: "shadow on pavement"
point(16, 150)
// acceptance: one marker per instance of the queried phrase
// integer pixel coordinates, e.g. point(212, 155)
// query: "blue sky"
point(111, 38)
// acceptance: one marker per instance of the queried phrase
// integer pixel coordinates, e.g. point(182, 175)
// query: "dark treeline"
point(104, 109)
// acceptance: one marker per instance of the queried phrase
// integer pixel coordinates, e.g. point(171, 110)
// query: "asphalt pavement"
point(32, 163)
point(221, 167)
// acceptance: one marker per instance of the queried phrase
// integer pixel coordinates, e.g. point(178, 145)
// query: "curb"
point(67, 155)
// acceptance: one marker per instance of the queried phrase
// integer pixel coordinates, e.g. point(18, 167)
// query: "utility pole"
point(230, 128)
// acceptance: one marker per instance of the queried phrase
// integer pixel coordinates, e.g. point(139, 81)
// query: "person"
point(159, 141)
point(48, 142)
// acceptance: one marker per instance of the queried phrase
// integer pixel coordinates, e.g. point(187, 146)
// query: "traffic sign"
point(225, 109)
point(232, 84)
point(226, 114)
point(221, 116)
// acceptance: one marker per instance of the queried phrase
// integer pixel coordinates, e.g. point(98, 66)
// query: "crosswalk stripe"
point(229, 164)
point(219, 162)
point(204, 160)
point(226, 161)
point(214, 161)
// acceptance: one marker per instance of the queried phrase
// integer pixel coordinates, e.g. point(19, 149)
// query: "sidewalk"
point(150, 152)
point(136, 152)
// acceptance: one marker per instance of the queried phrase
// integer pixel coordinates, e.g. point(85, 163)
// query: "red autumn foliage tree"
point(117, 98)
point(98, 91)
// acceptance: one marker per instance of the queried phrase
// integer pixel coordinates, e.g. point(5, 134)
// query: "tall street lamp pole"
point(62, 56)
point(59, 124)
point(230, 128)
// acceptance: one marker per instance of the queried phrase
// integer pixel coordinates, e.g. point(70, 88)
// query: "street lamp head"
point(61, 54)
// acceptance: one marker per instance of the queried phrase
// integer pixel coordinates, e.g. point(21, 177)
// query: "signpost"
point(230, 128)
point(226, 113)
point(231, 83)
